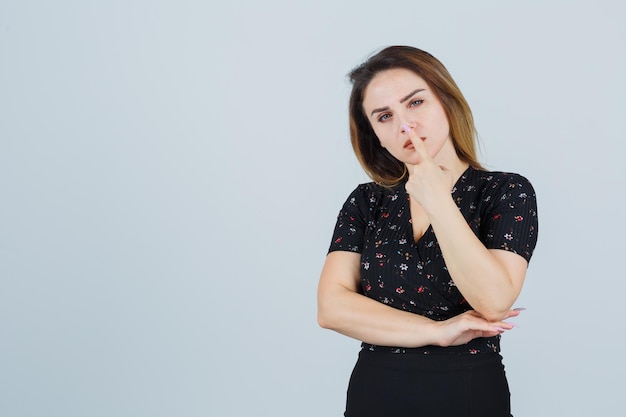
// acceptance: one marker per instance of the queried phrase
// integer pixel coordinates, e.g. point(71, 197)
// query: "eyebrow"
point(405, 98)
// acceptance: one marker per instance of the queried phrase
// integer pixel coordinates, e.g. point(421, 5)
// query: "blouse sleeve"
point(351, 223)
point(511, 222)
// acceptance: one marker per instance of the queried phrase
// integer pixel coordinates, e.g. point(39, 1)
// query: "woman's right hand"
point(470, 325)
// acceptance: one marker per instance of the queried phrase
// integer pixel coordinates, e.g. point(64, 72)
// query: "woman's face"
point(398, 96)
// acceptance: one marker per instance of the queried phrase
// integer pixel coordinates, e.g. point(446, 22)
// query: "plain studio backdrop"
point(170, 174)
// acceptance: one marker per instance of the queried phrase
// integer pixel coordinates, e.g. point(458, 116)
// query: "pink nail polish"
point(406, 127)
point(499, 329)
point(513, 324)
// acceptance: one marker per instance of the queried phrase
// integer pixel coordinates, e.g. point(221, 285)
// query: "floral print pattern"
point(410, 275)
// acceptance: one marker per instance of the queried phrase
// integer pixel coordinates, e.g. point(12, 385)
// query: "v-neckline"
point(429, 228)
point(426, 229)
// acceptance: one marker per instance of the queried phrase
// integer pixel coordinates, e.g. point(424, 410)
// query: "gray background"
point(170, 173)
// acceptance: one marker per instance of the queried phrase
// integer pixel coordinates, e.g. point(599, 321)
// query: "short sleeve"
point(511, 222)
point(349, 233)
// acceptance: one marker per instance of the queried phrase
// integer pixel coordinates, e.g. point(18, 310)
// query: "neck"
point(457, 168)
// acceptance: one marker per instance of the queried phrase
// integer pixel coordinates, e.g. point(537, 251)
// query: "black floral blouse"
point(375, 221)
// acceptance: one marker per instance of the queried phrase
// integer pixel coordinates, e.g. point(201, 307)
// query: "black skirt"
point(385, 384)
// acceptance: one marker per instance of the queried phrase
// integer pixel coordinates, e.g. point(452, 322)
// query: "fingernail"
point(519, 309)
point(499, 329)
point(406, 127)
point(513, 324)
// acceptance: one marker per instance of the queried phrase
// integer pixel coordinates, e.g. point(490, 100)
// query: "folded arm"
point(489, 279)
point(342, 308)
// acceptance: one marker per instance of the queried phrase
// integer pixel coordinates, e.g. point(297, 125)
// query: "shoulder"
point(497, 177)
point(499, 182)
point(370, 193)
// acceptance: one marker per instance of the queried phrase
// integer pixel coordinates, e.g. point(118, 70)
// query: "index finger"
point(418, 143)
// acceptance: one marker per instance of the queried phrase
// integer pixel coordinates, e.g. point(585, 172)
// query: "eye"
point(415, 103)
point(383, 117)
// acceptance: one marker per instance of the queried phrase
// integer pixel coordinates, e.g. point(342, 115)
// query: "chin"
point(412, 161)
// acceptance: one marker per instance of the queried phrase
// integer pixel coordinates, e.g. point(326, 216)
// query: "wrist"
point(437, 332)
point(439, 206)
point(431, 333)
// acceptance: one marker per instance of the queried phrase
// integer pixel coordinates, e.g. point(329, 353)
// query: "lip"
point(409, 145)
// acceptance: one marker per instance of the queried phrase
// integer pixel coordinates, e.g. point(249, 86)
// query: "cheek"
point(385, 144)
point(433, 150)
point(443, 123)
point(383, 137)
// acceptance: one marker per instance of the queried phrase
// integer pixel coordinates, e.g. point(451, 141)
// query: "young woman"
point(427, 260)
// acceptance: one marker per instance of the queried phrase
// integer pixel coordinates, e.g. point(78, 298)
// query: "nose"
point(404, 126)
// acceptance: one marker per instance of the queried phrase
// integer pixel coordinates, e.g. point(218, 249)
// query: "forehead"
point(389, 86)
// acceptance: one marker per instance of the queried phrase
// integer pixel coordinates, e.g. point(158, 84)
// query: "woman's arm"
point(343, 309)
point(490, 280)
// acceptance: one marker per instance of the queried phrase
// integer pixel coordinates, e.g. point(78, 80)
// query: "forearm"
point(343, 309)
point(370, 321)
point(478, 274)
